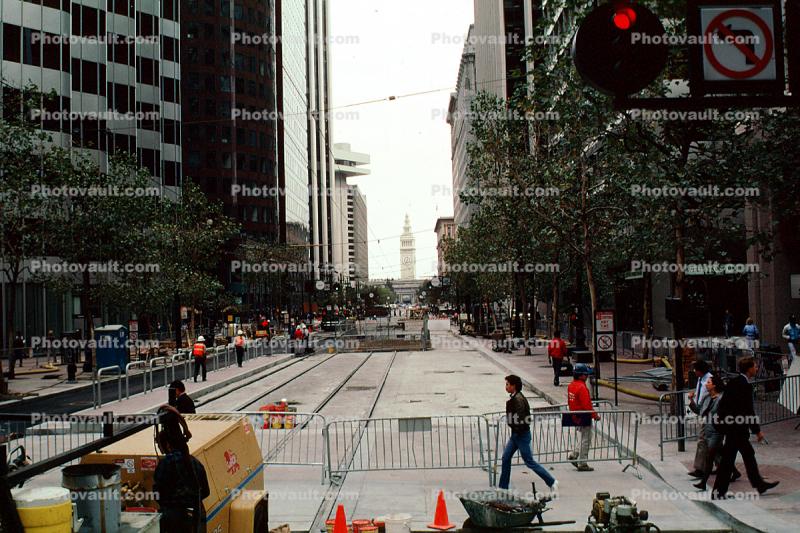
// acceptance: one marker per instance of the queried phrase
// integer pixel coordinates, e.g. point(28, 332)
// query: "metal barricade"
point(180, 357)
point(128, 369)
point(47, 437)
point(774, 399)
point(675, 426)
point(426, 443)
point(614, 438)
point(286, 438)
point(97, 397)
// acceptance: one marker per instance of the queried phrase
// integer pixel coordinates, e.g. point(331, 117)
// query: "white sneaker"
point(554, 490)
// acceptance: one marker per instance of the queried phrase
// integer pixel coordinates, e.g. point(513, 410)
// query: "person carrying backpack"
point(238, 344)
point(791, 334)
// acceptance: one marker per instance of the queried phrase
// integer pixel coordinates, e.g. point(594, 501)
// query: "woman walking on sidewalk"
point(518, 414)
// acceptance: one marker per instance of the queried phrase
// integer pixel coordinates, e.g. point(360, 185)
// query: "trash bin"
point(96, 491)
point(112, 346)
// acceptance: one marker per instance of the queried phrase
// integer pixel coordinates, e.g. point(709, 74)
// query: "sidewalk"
point(776, 511)
point(41, 390)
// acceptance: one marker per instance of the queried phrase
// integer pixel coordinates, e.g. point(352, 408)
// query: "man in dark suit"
point(735, 416)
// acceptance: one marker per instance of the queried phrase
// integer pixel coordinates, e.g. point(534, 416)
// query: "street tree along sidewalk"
point(179, 240)
point(596, 157)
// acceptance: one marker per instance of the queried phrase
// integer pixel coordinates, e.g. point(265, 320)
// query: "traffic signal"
point(620, 48)
point(264, 323)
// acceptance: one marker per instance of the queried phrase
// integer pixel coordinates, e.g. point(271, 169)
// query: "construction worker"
point(580, 400)
point(199, 353)
point(238, 343)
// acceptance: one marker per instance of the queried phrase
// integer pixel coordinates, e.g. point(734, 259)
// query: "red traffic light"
point(624, 18)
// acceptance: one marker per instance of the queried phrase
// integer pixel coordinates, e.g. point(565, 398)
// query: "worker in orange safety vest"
point(199, 353)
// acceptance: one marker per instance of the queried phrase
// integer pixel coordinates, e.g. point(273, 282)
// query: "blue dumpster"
point(112, 346)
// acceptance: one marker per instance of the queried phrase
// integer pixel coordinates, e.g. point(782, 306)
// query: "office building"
point(115, 71)
point(445, 230)
point(348, 214)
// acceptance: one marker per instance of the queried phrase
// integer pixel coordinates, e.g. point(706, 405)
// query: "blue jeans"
point(522, 442)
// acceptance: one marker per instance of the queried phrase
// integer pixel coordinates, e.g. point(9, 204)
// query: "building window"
point(31, 47)
point(227, 160)
point(11, 39)
point(193, 159)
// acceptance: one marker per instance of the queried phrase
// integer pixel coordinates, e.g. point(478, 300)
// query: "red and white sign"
point(604, 321)
point(739, 43)
point(149, 464)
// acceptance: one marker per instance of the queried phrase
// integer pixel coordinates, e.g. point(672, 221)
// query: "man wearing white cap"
point(238, 343)
point(199, 353)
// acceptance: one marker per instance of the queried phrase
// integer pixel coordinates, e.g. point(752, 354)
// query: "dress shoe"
point(700, 486)
point(696, 473)
point(736, 475)
point(766, 485)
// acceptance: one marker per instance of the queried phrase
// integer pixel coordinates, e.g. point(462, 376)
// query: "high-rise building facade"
point(113, 67)
point(348, 164)
point(357, 235)
point(230, 109)
point(115, 70)
point(458, 116)
point(408, 253)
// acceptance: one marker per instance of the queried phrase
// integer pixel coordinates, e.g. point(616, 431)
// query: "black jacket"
point(185, 405)
point(736, 411)
point(518, 413)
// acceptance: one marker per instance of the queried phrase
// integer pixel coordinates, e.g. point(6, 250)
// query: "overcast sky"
point(383, 48)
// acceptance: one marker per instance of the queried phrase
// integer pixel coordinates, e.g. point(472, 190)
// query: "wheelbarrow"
point(493, 510)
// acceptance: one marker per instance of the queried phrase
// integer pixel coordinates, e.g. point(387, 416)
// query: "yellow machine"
point(226, 446)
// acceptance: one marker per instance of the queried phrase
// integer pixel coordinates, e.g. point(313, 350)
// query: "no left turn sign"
point(739, 43)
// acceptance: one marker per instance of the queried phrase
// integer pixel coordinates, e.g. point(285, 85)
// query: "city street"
point(367, 266)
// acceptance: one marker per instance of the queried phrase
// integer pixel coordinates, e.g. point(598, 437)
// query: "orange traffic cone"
point(441, 521)
point(341, 522)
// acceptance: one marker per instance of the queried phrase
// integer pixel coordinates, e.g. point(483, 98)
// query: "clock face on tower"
point(407, 260)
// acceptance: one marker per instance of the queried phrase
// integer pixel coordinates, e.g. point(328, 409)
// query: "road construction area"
point(385, 432)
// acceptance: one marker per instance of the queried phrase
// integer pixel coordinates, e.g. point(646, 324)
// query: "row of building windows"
point(208, 159)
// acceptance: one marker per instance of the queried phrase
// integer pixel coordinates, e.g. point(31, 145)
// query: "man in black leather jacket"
point(518, 419)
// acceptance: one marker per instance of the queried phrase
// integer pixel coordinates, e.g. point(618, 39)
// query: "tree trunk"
point(525, 321)
point(12, 307)
point(553, 326)
point(88, 321)
point(647, 306)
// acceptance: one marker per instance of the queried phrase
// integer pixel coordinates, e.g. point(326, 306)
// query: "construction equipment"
point(617, 515)
point(228, 450)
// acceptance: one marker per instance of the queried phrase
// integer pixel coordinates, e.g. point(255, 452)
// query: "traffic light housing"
point(620, 48)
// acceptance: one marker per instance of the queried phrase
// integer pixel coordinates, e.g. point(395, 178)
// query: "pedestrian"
point(183, 403)
point(735, 415)
point(557, 350)
point(707, 409)
point(727, 323)
point(238, 344)
point(19, 349)
point(52, 354)
point(199, 353)
point(697, 396)
point(180, 485)
point(518, 414)
point(791, 334)
point(579, 400)
point(751, 334)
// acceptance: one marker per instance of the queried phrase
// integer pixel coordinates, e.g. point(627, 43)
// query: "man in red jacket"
point(580, 400)
point(557, 350)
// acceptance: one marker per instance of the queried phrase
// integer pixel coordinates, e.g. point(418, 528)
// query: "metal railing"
point(774, 400)
point(614, 437)
point(150, 364)
point(426, 443)
point(128, 369)
point(97, 385)
point(50, 441)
